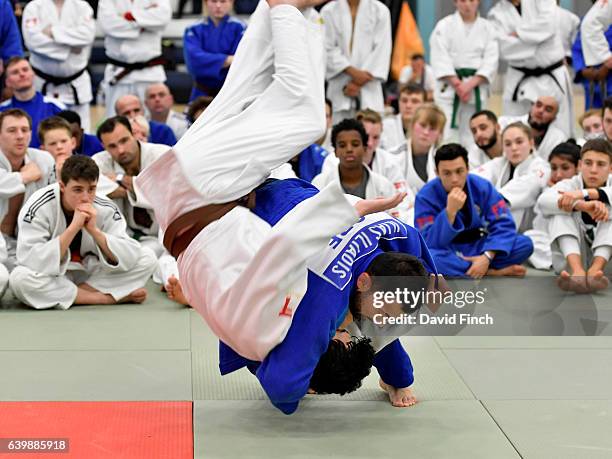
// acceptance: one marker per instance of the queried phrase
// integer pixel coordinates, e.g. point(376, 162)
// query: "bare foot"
point(597, 281)
point(573, 283)
point(512, 271)
point(400, 398)
point(137, 296)
point(175, 291)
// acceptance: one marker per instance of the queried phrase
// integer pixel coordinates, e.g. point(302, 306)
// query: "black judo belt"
point(55, 80)
point(534, 73)
point(129, 67)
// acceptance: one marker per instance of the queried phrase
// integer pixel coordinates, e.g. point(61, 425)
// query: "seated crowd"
point(491, 194)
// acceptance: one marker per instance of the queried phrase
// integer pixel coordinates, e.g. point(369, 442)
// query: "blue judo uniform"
point(310, 162)
point(592, 89)
point(90, 145)
point(10, 38)
point(206, 47)
point(286, 371)
point(484, 223)
point(38, 107)
point(161, 133)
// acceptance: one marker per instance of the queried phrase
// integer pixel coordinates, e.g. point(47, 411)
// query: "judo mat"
point(479, 396)
point(113, 430)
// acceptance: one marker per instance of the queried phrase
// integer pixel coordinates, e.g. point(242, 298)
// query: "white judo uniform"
point(590, 240)
point(537, 51)
point(393, 132)
point(477, 157)
point(595, 46)
point(11, 184)
point(377, 186)
point(65, 55)
point(553, 137)
point(522, 191)
point(46, 278)
point(389, 167)
point(178, 123)
point(464, 50)
point(132, 41)
point(148, 236)
point(238, 272)
point(567, 24)
point(367, 46)
point(413, 180)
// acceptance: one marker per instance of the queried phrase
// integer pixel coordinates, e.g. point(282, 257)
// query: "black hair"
point(70, 116)
point(449, 152)
point(566, 150)
point(488, 113)
point(111, 123)
point(599, 146)
point(349, 124)
point(384, 270)
point(197, 104)
point(418, 56)
point(80, 167)
point(413, 88)
point(607, 104)
point(342, 367)
point(329, 102)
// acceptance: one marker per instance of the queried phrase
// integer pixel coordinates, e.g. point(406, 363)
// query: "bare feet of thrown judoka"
point(174, 290)
point(400, 398)
point(512, 270)
point(575, 282)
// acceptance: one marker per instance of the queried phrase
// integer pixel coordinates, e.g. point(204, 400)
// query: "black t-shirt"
point(420, 165)
point(75, 245)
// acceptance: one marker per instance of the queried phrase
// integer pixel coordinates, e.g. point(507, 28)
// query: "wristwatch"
point(486, 254)
point(119, 178)
point(585, 195)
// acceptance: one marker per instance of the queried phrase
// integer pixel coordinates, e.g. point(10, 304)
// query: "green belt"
point(465, 73)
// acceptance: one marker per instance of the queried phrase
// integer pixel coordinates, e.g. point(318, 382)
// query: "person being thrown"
point(249, 273)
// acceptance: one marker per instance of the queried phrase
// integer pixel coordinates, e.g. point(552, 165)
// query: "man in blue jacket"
point(466, 222)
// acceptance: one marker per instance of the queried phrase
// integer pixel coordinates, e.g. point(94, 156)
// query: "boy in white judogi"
point(23, 170)
point(531, 44)
point(358, 46)
point(464, 56)
point(417, 154)
point(73, 247)
point(396, 128)
point(349, 139)
point(519, 175)
point(133, 32)
point(580, 226)
point(563, 161)
point(381, 163)
point(125, 158)
point(59, 35)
